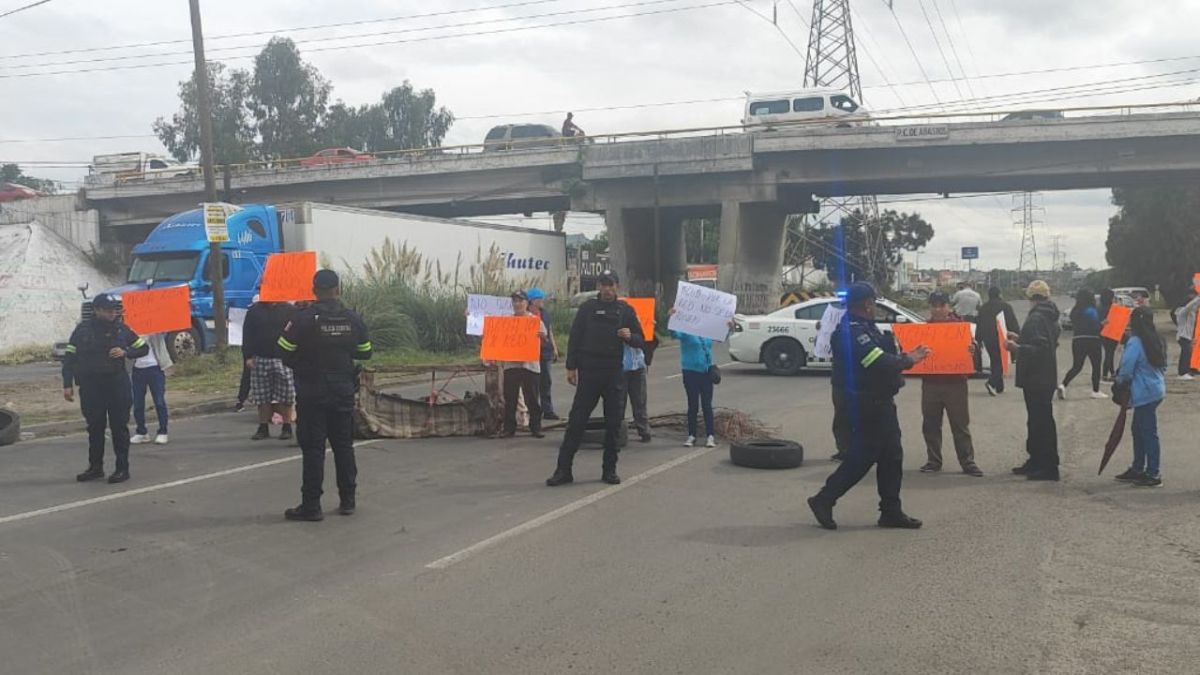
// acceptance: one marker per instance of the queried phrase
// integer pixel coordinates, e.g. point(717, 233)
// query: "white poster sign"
point(479, 306)
point(833, 315)
point(701, 311)
point(237, 319)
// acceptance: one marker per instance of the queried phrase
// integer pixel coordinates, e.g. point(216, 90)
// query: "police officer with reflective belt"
point(95, 359)
point(868, 367)
point(595, 358)
point(320, 344)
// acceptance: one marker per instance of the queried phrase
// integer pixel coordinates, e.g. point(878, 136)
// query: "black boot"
point(93, 473)
point(119, 476)
point(560, 477)
point(309, 512)
point(898, 520)
point(263, 432)
point(823, 512)
point(346, 505)
point(839, 456)
point(1021, 470)
point(1043, 474)
point(286, 434)
point(610, 476)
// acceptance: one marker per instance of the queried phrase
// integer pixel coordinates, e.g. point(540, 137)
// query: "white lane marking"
point(155, 488)
point(455, 558)
point(680, 374)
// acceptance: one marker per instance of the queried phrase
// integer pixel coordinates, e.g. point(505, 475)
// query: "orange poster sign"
point(1196, 350)
point(1196, 281)
point(949, 346)
point(159, 310)
point(1004, 357)
point(1118, 321)
point(510, 338)
point(644, 307)
point(288, 277)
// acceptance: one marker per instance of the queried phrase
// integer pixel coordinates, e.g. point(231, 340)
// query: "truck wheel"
point(10, 426)
point(784, 356)
point(767, 454)
point(183, 344)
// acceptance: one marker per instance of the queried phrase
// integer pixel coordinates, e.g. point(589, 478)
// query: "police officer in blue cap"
point(320, 344)
point(95, 359)
point(867, 365)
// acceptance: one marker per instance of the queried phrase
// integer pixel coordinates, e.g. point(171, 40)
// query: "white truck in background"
point(126, 166)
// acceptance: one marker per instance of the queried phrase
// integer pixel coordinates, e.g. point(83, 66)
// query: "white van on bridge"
point(832, 106)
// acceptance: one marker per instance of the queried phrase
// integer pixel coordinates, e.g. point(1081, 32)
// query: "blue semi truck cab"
point(177, 253)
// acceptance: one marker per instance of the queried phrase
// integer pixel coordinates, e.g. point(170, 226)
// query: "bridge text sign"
point(923, 132)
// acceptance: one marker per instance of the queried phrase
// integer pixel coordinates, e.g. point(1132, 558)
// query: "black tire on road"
point(767, 454)
point(10, 426)
point(183, 344)
point(593, 434)
point(784, 356)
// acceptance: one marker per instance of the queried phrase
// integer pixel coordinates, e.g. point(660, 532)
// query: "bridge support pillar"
point(751, 254)
point(632, 245)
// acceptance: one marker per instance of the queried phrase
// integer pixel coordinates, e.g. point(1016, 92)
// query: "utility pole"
point(1026, 212)
point(216, 268)
point(832, 61)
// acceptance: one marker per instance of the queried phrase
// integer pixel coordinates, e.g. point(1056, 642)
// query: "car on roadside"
point(784, 340)
point(1032, 115)
point(1131, 296)
point(521, 136)
point(333, 156)
point(820, 107)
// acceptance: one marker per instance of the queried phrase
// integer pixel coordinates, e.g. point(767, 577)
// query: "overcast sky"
point(708, 49)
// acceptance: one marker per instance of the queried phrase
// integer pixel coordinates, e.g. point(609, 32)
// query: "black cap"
point(519, 295)
point(325, 280)
point(608, 277)
point(939, 298)
point(105, 301)
point(859, 291)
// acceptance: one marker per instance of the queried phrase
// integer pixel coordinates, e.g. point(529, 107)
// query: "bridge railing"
point(455, 152)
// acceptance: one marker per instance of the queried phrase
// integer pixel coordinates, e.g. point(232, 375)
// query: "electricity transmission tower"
point(832, 61)
point(1027, 215)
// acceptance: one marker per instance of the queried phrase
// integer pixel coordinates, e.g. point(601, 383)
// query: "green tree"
point(413, 118)
point(1154, 239)
point(234, 136)
point(599, 243)
point(11, 173)
point(841, 249)
point(289, 99)
point(703, 239)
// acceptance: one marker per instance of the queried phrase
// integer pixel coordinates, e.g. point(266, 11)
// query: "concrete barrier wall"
point(59, 214)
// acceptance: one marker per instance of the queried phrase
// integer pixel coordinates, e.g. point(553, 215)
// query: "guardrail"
point(475, 149)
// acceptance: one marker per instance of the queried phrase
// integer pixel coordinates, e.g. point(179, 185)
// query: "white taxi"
point(784, 339)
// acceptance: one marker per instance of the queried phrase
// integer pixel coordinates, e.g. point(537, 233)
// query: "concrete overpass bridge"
point(646, 186)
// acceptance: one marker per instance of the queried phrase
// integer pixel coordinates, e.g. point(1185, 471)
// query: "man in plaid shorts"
point(272, 388)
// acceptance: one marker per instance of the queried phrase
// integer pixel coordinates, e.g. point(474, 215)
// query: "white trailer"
point(344, 237)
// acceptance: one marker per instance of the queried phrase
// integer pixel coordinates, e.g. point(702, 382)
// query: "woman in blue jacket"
point(695, 356)
point(1086, 345)
point(1143, 369)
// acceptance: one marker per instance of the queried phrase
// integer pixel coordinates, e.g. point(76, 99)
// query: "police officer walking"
point(95, 359)
point(868, 367)
point(602, 328)
point(320, 344)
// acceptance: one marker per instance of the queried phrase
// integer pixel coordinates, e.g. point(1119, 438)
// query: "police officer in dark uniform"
point(868, 366)
point(95, 359)
point(595, 358)
point(320, 344)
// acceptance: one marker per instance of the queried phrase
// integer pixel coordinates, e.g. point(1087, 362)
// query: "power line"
point(22, 9)
point(878, 68)
point(75, 138)
point(938, 43)
point(359, 36)
point(916, 58)
point(498, 31)
point(953, 49)
point(787, 39)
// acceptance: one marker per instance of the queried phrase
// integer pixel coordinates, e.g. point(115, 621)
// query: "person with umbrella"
point(1143, 374)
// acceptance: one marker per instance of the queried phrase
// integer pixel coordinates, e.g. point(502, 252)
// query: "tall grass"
point(410, 303)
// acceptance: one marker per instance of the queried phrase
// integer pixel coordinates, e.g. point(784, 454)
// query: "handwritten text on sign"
point(949, 347)
point(1118, 321)
point(160, 310)
point(510, 338)
point(288, 277)
point(701, 311)
point(479, 306)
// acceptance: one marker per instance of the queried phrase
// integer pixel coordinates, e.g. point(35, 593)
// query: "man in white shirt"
point(524, 378)
point(1186, 326)
point(965, 302)
point(149, 372)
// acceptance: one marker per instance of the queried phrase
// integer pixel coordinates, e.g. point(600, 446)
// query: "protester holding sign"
point(991, 311)
point(1143, 375)
point(696, 362)
point(272, 386)
point(1037, 376)
point(1107, 297)
point(523, 377)
point(599, 333)
point(869, 367)
point(95, 358)
point(947, 393)
point(150, 372)
point(1186, 330)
